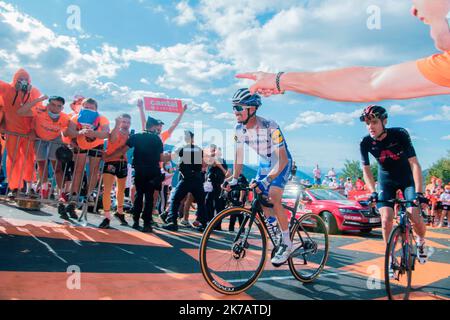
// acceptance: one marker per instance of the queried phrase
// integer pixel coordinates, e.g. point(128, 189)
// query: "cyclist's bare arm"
point(238, 161)
point(369, 179)
point(354, 84)
point(283, 161)
point(417, 173)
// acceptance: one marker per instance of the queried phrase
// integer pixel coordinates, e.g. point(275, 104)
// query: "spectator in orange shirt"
point(49, 123)
point(431, 206)
point(75, 108)
point(89, 145)
point(116, 169)
point(20, 150)
point(431, 185)
point(359, 184)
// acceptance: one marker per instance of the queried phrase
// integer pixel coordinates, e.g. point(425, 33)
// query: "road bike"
point(400, 256)
point(232, 259)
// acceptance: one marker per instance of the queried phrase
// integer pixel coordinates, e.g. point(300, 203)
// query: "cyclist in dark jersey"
point(399, 169)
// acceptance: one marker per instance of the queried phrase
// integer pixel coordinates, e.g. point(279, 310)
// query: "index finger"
point(248, 75)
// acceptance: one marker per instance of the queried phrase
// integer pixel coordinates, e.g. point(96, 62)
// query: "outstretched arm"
point(142, 113)
point(354, 84)
point(25, 110)
point(177, 121)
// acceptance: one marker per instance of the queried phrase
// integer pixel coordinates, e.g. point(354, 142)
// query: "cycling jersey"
point(265, 139)
point(394, 170)
point(392, 154)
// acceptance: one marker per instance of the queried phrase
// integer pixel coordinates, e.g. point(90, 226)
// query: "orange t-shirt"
point(46, 128)
point(68, 140)
point(113, 146)
point(165, 136)
point(13, 121)
point(436, 68)
point(86, 143)
point(433, 199)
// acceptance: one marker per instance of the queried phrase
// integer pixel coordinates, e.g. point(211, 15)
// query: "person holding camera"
point(20, 150)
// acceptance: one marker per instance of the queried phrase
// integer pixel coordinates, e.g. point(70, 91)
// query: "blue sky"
point(191, 50)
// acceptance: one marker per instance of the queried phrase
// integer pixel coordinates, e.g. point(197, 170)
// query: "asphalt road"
point(39, 251)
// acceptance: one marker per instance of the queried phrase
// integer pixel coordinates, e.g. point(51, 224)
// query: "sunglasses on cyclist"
point(240, 108)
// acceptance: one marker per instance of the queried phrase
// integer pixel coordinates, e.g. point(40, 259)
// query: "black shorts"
point(445, 207)
point(116, 168)
point(96, 152)
point(387, 191)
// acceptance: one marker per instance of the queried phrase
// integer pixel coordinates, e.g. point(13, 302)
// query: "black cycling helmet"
point(373, 112)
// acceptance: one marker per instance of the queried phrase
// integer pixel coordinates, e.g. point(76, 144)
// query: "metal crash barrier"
point(39, 172)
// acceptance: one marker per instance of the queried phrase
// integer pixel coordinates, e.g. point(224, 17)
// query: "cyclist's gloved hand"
point(373, 197)
point(263, 185)
point(420, 198)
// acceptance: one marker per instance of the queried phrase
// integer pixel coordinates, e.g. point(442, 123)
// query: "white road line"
point(129, 252)
point(50, 249)
point(323, 275)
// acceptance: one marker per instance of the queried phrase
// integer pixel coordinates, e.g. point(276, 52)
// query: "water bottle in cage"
point(274, 229)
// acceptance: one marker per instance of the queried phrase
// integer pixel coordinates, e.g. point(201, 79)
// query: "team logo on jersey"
point(387, 154)
point(277, 137)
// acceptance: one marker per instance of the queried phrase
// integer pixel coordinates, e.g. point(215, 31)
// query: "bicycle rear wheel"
point(310, 242)
point(399, 258)
point(230, 261)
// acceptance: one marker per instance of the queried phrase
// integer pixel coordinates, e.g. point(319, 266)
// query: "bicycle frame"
point(257, 210)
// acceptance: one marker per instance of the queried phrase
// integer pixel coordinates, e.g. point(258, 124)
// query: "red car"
point(339, 213)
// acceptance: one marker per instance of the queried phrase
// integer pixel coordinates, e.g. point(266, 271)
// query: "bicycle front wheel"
point(310, 244)
point(233, 253)
point(398, 265)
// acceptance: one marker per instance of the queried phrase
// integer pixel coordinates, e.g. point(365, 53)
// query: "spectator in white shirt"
point(348, 186)
point(317, 176)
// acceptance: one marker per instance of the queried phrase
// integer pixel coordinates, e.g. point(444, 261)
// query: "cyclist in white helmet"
point(275, 161)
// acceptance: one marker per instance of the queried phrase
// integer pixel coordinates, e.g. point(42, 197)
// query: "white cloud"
point(31, 44)
point(185, 14)
point(308, 118)
point(447, 138)
point(225, 116)
point(144, 81)
point(443, 116)
point(27, 42)
point(189, 68)
point(296, 35)
point(401, 110)
point(204, 107)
